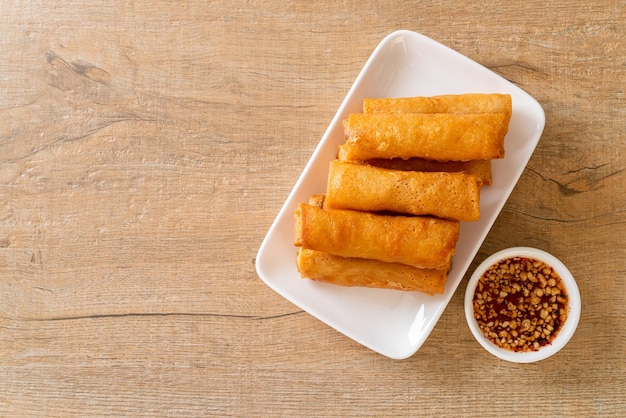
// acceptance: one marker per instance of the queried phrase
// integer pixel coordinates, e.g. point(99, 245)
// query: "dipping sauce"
point(520, 304)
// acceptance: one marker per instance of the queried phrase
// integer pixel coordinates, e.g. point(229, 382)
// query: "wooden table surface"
point(146, 147)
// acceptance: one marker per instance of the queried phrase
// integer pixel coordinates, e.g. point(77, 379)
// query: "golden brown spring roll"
point(438, 136)
point(372, 189)
point(317, 200)
point(480, 168)
point(342, 271)
point(418, 241)
point(451, 103)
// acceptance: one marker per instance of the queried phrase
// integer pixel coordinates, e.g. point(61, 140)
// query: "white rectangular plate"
point(396, 323)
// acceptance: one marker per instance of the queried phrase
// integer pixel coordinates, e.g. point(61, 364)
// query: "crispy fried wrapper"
point(479, 168)
point(450, 103)
point(418, 241)
point(438, 136)
point(371, 189)
point(318, 200)
point(319, 266)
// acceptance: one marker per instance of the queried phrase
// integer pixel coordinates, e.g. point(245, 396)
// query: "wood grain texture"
point(146, 147)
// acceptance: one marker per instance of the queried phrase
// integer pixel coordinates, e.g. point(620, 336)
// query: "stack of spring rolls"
point(410, 170)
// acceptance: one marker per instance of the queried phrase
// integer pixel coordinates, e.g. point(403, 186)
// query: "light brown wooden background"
point(146, 147)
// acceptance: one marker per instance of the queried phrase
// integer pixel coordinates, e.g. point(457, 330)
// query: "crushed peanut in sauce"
point(520, 304)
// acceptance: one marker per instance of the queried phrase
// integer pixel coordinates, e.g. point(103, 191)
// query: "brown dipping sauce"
point(520, 304)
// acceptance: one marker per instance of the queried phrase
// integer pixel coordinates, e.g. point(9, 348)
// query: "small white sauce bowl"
point(567, 329)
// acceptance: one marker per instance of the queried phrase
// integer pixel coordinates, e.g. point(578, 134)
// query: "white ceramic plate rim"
point(573, 314)
point(395, 323)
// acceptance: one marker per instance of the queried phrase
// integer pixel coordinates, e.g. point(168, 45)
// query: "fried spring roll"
point(371, 189)
point(360, 272)
point(480, 168)
point(451, 103)
point(418, 241)
point(438, 136)
point(318, 200)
